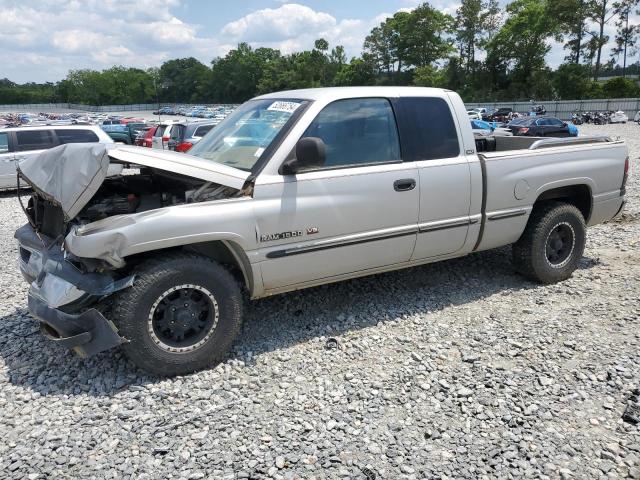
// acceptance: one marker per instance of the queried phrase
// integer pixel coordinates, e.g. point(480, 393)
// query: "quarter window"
point(202, 131)
point(429, 131)
point(34, 140)
point(357, 131)
point(76, 136)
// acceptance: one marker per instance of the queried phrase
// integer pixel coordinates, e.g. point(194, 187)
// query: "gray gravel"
point(455, 370)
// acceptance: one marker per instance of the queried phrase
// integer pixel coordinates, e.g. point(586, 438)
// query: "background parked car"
point(125, 133)
point(618, 117)
point(18, 143)
point(144, 137)
point(540, 127)
point(494, 128)
point(181, 135)
point(166, 110)
point(501, 114)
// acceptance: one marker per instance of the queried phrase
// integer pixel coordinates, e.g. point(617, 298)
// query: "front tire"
point(552, 244)
point(181, 314)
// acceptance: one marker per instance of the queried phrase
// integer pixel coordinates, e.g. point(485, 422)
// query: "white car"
point(618, 117)
point(19, 143)
point(474, 115)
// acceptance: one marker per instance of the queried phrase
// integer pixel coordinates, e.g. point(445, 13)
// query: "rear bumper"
point(86, 333)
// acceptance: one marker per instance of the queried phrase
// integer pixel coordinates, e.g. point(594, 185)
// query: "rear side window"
point(177, 133)
point(357, 131)
point(4, 143)
point(202, 131)
point(34, 140)
point(160, 130)
point(428, 129)
point(76, 136)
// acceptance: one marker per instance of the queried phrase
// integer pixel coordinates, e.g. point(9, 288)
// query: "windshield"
point(239, 140)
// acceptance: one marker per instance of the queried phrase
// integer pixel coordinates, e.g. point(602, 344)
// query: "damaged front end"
point(71, 191)
point(63, 295)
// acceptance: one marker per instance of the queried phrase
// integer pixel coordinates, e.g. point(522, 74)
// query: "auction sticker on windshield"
point(281, 106)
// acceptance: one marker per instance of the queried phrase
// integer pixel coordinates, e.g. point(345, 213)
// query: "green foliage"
point(488, 52)
point(620, 87)
point(571, 81)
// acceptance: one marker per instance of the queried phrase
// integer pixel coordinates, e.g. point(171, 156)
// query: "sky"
point(43, 39)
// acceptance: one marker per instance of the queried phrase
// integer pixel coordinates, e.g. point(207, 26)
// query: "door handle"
point(404, 185)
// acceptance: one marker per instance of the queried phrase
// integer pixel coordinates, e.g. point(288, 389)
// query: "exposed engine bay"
point(149, 189)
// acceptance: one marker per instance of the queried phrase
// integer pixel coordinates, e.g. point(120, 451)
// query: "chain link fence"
point(563, 109)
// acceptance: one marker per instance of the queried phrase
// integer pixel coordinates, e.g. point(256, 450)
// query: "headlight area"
point(64, 293)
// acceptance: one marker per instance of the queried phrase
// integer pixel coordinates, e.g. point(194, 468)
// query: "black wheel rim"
point(183, 318)
point(560, 244)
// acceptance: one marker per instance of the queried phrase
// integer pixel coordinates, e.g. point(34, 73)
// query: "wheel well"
point(225, 253)
point(577, 195)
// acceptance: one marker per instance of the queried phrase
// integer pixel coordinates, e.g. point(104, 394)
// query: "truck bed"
point(521, 169)
point(504, 144)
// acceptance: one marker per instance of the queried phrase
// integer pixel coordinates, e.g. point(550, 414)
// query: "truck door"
point(430, 137)
point(356, 213)
point(7, 163)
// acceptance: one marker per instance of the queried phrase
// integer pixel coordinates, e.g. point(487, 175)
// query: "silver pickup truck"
point(294, 189)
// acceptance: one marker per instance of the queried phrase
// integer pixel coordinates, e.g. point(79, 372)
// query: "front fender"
point(115, 238)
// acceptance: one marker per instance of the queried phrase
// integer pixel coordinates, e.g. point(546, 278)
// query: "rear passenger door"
point(7, 163)
point(430, 137)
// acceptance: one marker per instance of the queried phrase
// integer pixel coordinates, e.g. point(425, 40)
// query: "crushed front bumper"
point(62, 297)
point(86, 333)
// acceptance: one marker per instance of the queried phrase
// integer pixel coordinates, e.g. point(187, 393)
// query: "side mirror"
point(310, 153)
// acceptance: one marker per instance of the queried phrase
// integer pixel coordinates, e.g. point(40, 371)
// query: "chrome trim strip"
point(343, 242)
point(445, 224)
point(507, 214)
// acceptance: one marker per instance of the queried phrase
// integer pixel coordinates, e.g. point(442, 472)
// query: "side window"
point(177, 132)
point(202, 131)
point(555, 122)
point(428, 129)
point(34, 140)
point(76, 136)
point(4, 143)
point(357, 131)
point(160, 130)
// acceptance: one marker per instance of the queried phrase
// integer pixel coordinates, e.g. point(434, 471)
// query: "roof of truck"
point(355, 92)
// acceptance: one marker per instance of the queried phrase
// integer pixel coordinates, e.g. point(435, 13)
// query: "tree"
point(600, 12)
point(571, 81)
point(626, 35)
point(410, 40)
point(469, 27)
point(619, 87)
point(572, 16)
point(358, 72)
point(183, 80)
point(522, 42)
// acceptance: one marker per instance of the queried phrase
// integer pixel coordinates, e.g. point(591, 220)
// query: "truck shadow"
point(271, 324)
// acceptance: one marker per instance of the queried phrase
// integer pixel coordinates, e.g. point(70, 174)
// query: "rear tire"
point(181, 315)
point(552, 243)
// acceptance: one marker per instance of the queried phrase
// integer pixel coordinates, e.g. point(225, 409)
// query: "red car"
point(144, 138)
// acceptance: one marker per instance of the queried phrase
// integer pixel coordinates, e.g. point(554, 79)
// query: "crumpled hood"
point(68, 175)
point(183, 164)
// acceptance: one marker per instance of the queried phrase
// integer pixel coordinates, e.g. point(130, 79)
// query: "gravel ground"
point(460, 369)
